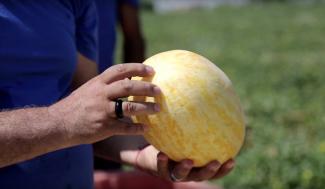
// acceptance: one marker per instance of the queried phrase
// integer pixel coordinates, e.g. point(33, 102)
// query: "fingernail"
point(230, 164)
point(162, 157)
point(150, 70)
point(215, 166)
point(156, 90)
point(156, 107)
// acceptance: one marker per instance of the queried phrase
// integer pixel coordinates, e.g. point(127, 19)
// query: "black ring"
point(118, 109)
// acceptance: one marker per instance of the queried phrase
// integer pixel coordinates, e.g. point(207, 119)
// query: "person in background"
point(113, 13)
point(125, 13)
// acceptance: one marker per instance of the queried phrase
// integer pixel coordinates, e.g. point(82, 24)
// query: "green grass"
point(275, 56)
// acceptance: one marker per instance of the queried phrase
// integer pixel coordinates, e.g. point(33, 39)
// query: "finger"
point(225, 169)
point(206, 172)
point(122, 71)
point(162, 165)
point(126, 87)
point(124, 128)
point(139, 108)
point(182, 169)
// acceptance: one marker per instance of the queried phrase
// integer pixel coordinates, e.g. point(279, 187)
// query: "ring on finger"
point(118, 109)
point(174, 178)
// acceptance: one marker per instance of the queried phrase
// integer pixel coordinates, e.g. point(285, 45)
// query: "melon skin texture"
point(201, 117)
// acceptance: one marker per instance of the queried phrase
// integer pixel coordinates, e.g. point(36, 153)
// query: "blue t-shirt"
point(107, 11)
point(39, 41)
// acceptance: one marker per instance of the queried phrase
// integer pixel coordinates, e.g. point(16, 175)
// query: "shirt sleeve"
point(86, 29)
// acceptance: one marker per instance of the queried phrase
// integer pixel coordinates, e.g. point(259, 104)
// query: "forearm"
point(27, 133)
point(122, 149)
point(85, 116)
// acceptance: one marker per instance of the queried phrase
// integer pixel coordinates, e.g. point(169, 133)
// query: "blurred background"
point(274, 52)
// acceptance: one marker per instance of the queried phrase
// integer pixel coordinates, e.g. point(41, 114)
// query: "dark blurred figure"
point(125, 14)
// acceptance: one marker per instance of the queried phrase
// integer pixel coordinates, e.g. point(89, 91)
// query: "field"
point(275, 56)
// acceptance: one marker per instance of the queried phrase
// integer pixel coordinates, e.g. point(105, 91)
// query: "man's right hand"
point(88, 114)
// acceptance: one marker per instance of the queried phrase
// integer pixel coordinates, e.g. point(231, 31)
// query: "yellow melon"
point(201, 117)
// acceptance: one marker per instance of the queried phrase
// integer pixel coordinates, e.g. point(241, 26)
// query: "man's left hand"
point(151, 160)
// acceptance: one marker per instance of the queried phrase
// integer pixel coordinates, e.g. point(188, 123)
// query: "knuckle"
point(120, 68)
point(99, 78)
point(101, 118)
point(149, 87)
point(212, 170)
point(127, 85)
point(109, 109)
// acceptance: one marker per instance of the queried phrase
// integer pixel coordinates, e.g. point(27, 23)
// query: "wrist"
point(57, 117)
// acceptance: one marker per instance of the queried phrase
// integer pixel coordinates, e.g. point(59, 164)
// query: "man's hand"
point(88, 114)
point(151, 160)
